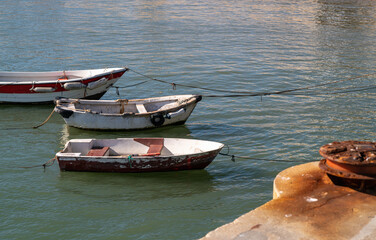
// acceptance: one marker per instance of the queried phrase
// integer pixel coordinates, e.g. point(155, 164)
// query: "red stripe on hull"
point(58, 85)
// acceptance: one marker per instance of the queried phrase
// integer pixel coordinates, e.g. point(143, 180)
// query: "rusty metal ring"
point(343, 173)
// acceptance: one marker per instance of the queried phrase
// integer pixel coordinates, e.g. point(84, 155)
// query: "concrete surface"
point(306, 205)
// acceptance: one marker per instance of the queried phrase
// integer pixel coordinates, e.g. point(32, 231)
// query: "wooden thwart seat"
point(155, 145)
point(98, 152)
point(141, 108)
point(154, 149)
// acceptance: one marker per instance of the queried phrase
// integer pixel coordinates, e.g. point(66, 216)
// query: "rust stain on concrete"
point(306, 205)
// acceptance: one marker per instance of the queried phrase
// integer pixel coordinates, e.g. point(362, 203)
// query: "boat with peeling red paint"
point(42, 87)
point(130, 155)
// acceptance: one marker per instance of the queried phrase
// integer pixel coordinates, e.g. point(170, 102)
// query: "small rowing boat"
point(124, 114)
point(42, 87)
point(127, 155)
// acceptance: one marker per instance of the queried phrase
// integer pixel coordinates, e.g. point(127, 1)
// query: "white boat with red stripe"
point(43, 87)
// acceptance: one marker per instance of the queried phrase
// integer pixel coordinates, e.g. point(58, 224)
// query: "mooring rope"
point(233, 157)
point(130, 85)
point(45, 121)
point(315, 93)
point(46, 164)
point(133, 85)
point(254, 94)
point(294, 91)
point(184, 85)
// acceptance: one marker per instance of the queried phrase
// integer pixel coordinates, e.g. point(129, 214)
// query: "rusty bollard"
point(350, 163)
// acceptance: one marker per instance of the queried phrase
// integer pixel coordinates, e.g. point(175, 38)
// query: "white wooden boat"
point(40, 87)
point(127, 155)
point(124, 114)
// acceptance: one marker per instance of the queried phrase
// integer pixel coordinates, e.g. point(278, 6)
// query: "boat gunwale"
point(218, 148)
point(191, 99)
point(114, 71)
point(141, 156)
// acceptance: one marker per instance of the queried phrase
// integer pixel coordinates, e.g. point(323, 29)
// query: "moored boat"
point(42, 87)
point(127, 155)
point(124, 114)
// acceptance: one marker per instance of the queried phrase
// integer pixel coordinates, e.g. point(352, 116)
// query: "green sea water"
point(255, 46)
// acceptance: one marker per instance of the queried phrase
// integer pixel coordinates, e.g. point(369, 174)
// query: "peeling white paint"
point(176, 154)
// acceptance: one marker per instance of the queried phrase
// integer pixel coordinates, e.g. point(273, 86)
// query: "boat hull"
point(99, 121)
point(126, 122)
point(47, 91)
point(137, 164)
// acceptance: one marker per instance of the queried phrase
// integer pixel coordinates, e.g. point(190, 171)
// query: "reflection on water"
point(352, 14)
point(343, 31)
point(121, 187)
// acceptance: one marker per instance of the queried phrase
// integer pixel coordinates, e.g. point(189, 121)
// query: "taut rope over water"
point(281, 92)
point(260, 159)
point(117, 87)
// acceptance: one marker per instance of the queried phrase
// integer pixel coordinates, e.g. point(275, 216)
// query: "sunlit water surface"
point(255, 46)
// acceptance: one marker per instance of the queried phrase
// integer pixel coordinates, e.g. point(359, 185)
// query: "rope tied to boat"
point(260, 159)
point(49, 163)
point(64, 77)
point(130, 160)
point(32, 87)
point(128, 86)
point(294, 91)
point(122, 102)
point(45, 121)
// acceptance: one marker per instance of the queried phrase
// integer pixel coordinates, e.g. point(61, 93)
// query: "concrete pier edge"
point(306, 205)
